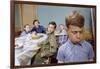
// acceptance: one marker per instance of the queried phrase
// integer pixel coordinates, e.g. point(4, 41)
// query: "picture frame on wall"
point(52, 34)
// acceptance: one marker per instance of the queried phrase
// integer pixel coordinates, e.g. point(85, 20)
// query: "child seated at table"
point(26, 30)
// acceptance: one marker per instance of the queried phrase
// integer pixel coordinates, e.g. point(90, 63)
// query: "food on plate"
point(35, 35)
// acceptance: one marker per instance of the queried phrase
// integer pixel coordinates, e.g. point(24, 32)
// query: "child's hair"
point(53, 23)
point(36, 21)
point(75, 19)
point(26, 25)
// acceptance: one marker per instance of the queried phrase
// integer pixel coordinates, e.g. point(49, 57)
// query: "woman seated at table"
point(62, 29)
point(62, 34)
point(38, 28)
point(26, 30)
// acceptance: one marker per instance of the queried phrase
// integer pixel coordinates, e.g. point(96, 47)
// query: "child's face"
point(27, 28)
point(75, 33)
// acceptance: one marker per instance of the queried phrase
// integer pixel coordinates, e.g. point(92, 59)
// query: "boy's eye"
point(74, 32)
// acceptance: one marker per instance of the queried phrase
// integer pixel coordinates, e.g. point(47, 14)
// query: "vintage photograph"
point(52, 34)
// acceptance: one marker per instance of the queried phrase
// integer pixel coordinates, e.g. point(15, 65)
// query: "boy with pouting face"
point(75, 49)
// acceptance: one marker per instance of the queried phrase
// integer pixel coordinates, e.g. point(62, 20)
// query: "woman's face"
point(36, 24)
point(61, 27)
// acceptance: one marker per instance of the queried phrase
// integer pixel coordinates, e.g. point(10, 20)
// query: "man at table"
point(75, 49)
point(47, 53)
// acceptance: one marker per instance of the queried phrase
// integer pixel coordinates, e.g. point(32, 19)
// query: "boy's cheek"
point(82, 37)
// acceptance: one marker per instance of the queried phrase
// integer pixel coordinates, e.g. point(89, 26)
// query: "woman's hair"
point(35, 21)
point(75, 19)
point(61, 24)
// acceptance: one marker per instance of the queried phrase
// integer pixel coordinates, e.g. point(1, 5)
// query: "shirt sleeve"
point(23, 33)
point(43, 30)
point(91, 52)
point(60, 54)
point(33, 29)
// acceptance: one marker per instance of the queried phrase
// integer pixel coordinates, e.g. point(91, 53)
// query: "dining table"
point(26, 47)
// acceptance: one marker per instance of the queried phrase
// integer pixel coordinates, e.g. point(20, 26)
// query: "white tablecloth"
point(27, 48)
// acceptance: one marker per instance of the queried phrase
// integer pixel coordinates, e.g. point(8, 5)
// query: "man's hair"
point(35, 21)
point(53, 23)
point(75, 19)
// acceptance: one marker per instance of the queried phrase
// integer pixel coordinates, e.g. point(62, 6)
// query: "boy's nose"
point(78, 35)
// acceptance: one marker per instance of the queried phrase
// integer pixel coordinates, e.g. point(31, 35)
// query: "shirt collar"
point(72, 44)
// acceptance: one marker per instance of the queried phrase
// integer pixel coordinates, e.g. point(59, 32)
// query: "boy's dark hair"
point(75, 19)
point(53, 23)
point(35, 21)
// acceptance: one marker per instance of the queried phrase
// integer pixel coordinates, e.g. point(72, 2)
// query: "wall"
point(24, 14)
point(58, 14)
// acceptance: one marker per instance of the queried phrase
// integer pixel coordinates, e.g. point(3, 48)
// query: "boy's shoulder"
point(23, 33)
point(86, 44)
point(65, 45)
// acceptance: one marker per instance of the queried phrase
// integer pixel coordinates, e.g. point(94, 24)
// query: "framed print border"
point(12, 30)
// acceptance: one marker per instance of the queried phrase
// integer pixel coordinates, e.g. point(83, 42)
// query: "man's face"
point(75, 33)
point(51, 28)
